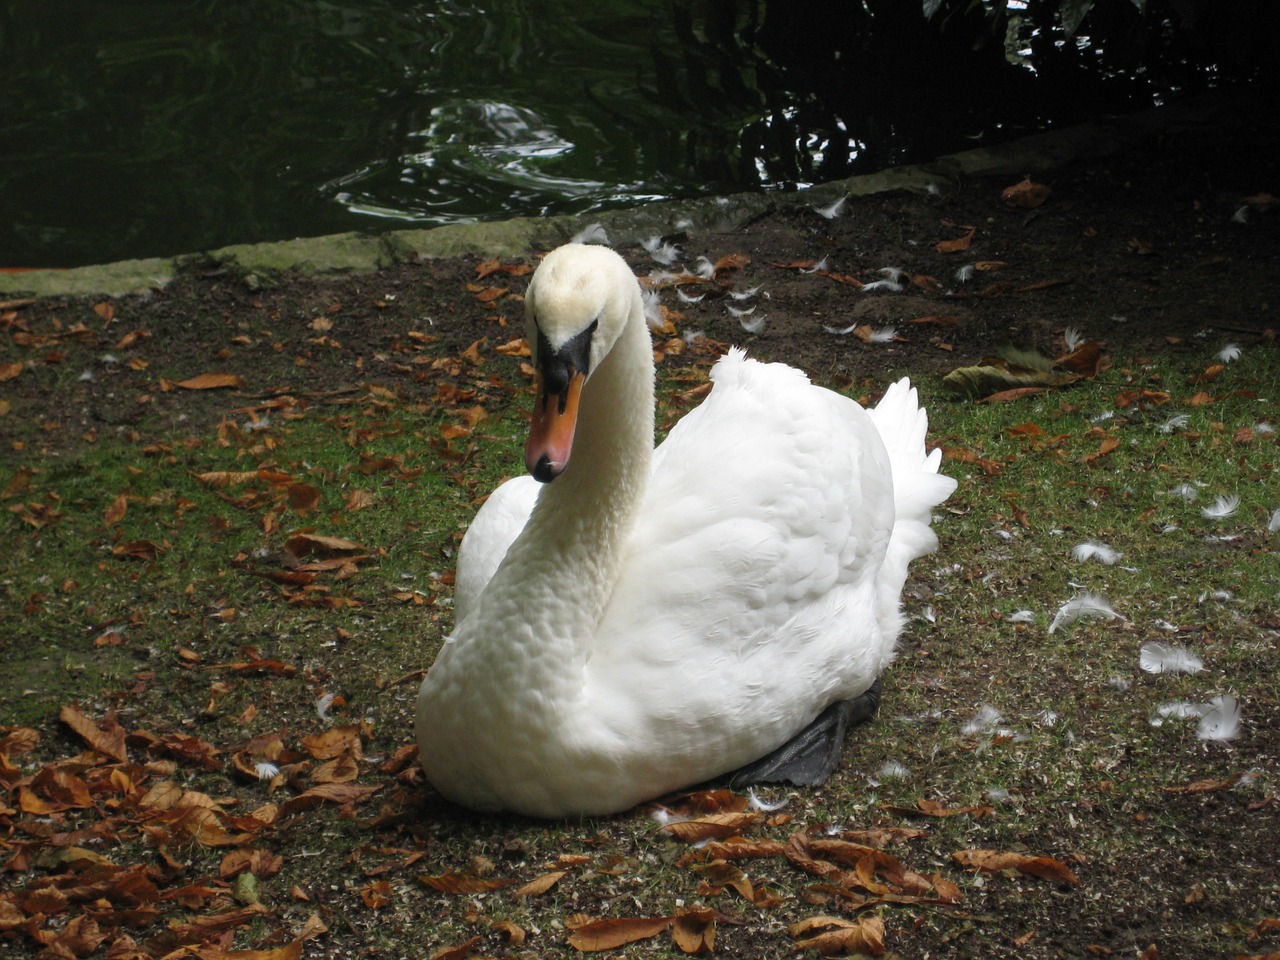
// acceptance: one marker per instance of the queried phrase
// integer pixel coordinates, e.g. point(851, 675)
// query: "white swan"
point(654, 618)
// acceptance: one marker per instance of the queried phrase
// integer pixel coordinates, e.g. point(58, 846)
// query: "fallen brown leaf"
point(107, 738)
point(716, 826)
point(994, 861)
point(957, 245)
point(116, 510)
point(1027, 194)
point(1206, 786)
point(211, 381)
point(694, 930)
point(461, 883)
point(609, 934)
point(460, 952)
point(831, 936)
point(540, 885)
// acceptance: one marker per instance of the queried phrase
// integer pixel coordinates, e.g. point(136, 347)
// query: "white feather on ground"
point(1178, 422)
point(1157, 657)
point(704, 268)
point(890, 286)
point(831, 210)
point(1221, 721)
point(1222, 507)
point(1094, 550)
point(665, 253)
point(1022, 616)
point(1185, 491)
point(592, 233)
point(1273, 525)
point(986, 718)
point(1084, 606)
point(1229, 352)
point(754, 324)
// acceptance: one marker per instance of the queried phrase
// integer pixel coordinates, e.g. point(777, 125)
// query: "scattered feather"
point(687, 298)
point(1157, 657)
point(966, 273)
point(760, 806)
point(997, 795)
point(1022, 616)
point(887, 285)
point(986, 718)
point(1104, 415)
point(1169, 528)
point(840, 331)
point(1222, 507)
point(745, 294)
point(692, 336)
point(1263, 428)
point(323, 704)
point(896, 274)
point(1047, 717)
point(592, 233)
point(704, 268)
point(1221, 721)
point(1177, 710)
point(652, 308)
point(739, 312)
point(665, 816)
point(1178, 422)
point(1273, 525)
point(661, 251)
point(1081, 607)
point(265, 770)
point(1228, 353)
point(884, 335)
point(893, 770)
point(86, 377)
point(1221, 596)
point(831, 210)
point(1241, 215)
point(754, 324)
point(1072, 338)
point(1093, 550)
point(1166, 625)
point(1117, 682)
point(1185, 491)
point(818, 267)
point(109, 359)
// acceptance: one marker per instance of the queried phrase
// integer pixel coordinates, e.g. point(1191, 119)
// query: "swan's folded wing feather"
point(754, 566)
point(487, 539)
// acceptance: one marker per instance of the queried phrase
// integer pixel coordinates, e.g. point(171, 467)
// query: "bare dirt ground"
point(1146, 251)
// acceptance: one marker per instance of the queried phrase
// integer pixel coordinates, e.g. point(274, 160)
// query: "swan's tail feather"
point(918, 486)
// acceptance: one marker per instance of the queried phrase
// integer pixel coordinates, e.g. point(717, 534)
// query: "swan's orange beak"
point(555, 415)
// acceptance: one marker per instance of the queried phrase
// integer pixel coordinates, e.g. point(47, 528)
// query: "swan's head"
point(578, 303)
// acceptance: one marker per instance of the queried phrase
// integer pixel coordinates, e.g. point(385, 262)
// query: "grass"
point(183, 635)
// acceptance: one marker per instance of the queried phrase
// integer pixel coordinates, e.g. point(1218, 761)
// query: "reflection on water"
point(137, 128)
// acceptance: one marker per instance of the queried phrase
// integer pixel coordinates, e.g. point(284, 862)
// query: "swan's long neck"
point(559, 574)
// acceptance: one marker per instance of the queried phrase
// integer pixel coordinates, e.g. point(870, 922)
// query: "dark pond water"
point(150, 128)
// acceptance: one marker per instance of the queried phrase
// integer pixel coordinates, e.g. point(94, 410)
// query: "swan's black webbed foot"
point(811, 756)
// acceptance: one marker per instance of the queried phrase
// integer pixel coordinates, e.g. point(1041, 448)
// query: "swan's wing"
point(748, 597)
point(492, 531)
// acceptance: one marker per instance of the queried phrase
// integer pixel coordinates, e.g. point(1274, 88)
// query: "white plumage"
point(653, 618)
